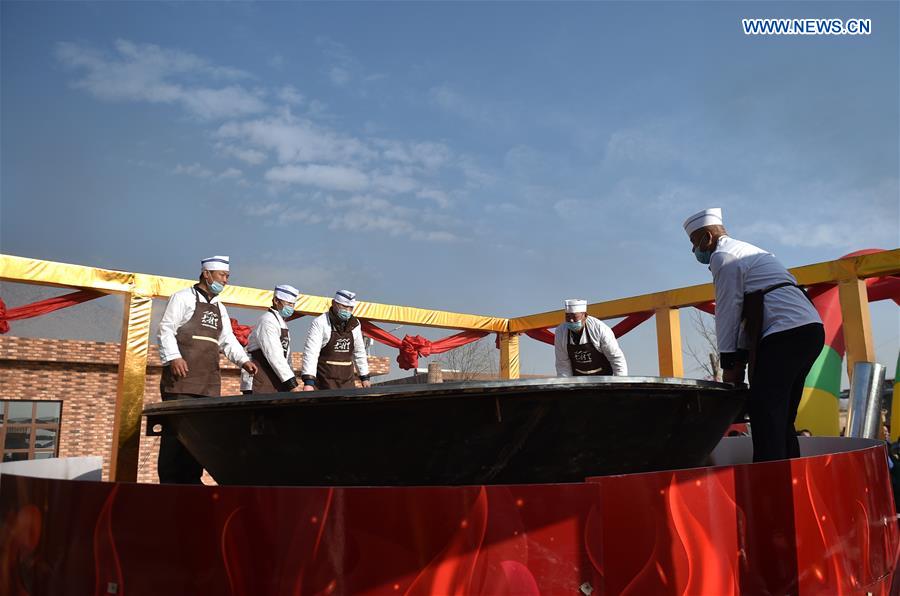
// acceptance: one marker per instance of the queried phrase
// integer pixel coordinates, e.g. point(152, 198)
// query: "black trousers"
point(176, 465)
point(783, 360)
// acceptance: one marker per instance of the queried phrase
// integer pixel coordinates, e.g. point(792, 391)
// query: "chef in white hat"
point(762, 317)
point(270, 345)
point(333, 345)
point(585, 345)
point(194, 327)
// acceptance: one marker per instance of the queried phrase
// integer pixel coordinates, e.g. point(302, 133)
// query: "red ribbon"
point(619, 329)
point(414, 346)
point(43, 307)
point(241, 332)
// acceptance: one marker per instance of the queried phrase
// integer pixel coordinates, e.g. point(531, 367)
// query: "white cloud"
point(300, 216)
point(198, 171)
point(395, 183)
point(221, 103)
point(361, 171)
point(479, 112)
point(636, 145)
point(523, 159)
point(449, 100)
point(321, 176)
point(436, 236)
point(145, 72)
point(231, 173)
point(438, 196)
point(428, 155)
point(194, 169)
point(826, 221)
point(290, 96)
point(250, 156)
point(339, 76)
point(262, 209)
point(476, 176)
point(504, 208)
point(570, 209)
point(295, 140)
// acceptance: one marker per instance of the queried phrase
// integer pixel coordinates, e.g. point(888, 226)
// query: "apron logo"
point(210, 319)
point(342, 344)
point(582, 356)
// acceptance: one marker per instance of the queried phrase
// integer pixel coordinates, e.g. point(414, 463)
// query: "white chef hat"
point(345, 298)
point(576, 305)
point(287, 293)
point(707, 217)
point(216, 263)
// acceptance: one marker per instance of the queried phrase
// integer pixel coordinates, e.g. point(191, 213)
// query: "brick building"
point(57, 397)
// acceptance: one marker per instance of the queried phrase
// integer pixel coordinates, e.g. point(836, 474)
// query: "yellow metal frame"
point(139, 289)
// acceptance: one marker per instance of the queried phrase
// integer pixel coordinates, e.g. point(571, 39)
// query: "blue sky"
point(479, 157)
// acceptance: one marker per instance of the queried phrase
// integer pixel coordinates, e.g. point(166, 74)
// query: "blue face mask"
point(702, 256)
point(575, 325)
point(216, 287)
point(344, 315)
point(287, 311)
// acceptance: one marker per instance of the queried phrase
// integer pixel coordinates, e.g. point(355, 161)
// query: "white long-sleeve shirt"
point(318, 337)
point(179, 311)
point(739, 268)
point(266, 336)
point(598, 333)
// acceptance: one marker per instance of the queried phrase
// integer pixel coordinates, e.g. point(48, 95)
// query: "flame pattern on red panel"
point(20, 534)
point(698, 531)
point(450, 572)
point(106, 558)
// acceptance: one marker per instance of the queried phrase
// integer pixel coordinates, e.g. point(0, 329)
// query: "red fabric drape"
point(413, 346)
point(630, 322)
point(241, 332)
point(43, 307)
point(619, 329)
point(544, 335)
point(707, 307)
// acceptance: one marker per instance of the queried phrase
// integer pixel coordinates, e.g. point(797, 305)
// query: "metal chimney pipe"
point(435, 372)
point(864, 404)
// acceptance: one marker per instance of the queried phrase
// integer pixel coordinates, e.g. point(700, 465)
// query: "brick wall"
point(83, 375)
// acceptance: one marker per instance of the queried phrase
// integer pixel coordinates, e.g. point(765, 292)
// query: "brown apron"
point(752, 320)
point(335, 367)
point(586, 359)
point(198, 342)
point(266, 380)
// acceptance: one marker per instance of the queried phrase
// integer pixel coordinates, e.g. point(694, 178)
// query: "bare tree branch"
point(472, 360)
point(705, 356)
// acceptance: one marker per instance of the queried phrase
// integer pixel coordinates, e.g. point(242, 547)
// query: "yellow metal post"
point(123, 464)
point(509, 355)
point(668, 337)
point(857, 322)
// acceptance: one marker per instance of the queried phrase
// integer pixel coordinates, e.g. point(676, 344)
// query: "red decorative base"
point(817, 525)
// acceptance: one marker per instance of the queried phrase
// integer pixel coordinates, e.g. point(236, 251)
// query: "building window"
point(29, 429)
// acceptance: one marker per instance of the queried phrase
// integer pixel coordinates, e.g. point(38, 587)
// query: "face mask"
point(287, 311)
point(344, 315)
point(575, 325)
point(702, 256)
point(216, 287)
